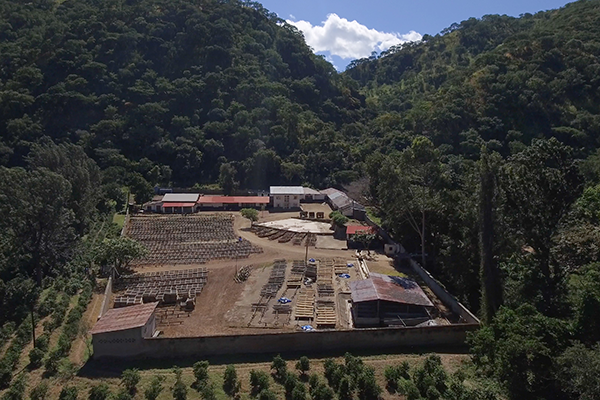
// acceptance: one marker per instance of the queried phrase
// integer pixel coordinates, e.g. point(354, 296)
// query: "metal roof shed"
point(180, 197)
point(388, 300)
point(121, 331)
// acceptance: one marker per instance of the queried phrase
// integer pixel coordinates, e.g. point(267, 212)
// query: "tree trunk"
point(32, 326)
point(423, 240)
point(491, 287)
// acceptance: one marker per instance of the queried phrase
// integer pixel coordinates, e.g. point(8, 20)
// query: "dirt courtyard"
point(227, 307)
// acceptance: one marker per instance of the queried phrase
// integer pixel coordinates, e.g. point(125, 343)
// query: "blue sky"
point(346, 30)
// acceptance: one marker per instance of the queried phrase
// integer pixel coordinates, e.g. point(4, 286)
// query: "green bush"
point(259, 380)
point(123, 394)
point(155, 388)
point(334, 373)
point(267, 394)
point(41, 342)
point(208, 392)
point(5, 375)
point(299, 392)
point(289, 383)
point(179, 389)
point(130, 378)
point(40, 391)
point(200, 370)
point(231, 385)
point(408, 389)
point(46, 307)
point(16, 391)
point(51, 362)
point(35, 358)
point(303, 365)
point(368, 389)
point(322, 392)
point(279, 366)
point(345, 390)
point(99, 392)
point(68, 393)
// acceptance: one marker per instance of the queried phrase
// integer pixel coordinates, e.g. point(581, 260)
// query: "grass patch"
point(119, 219)
point(372, 214)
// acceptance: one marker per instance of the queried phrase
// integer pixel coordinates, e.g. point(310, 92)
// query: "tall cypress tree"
point(491, 287)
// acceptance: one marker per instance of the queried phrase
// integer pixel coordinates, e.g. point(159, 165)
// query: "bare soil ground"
point(225, 307)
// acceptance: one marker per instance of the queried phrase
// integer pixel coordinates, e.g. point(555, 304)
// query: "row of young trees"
point(351, 379)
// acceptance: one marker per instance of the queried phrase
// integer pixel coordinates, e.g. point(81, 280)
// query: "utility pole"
point(306, 255)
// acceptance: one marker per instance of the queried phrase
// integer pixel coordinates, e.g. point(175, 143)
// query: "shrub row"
point(69, 331)
point(58, 315)
point(11, 357)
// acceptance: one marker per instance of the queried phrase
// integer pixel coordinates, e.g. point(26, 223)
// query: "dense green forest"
point(479, 145)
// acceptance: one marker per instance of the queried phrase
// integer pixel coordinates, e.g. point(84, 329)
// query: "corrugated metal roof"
point(330, 191)
point(233, 199)
point(180, 197)
point(286, 190)
point(354, 229)
point(165, 205)
point(120, 319)
point(389, 288)
point(310, 191)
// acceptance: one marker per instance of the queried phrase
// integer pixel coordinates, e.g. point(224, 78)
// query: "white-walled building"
point(287, 197)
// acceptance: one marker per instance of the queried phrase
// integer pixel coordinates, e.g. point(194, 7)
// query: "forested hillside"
point(480, 145)
point(164, 91)
point(482, 154)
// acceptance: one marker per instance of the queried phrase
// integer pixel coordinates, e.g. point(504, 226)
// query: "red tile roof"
point(233, 199)
point(120, 319)
point(178, 205)
point(389, 288)
point(354, 229)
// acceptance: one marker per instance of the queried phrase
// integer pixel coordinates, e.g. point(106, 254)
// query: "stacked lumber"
point(305, 308)
point(340, 267)
point(325, 278)
point(326, 315)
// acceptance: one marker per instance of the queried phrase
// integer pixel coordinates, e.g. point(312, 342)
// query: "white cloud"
point(349, 39)
point(292, 17)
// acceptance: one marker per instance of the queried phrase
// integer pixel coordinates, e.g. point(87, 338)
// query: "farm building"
point(312, 195)
point(286, 196)
point(121, 330)
point(383, 300)
point(179, 203)
point(340, 201)
point(231, 202)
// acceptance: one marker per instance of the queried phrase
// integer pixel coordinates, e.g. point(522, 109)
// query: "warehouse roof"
point(120, 319)
point(165, 205)
point(389, 288)
point(180, 197)
point(233, 200)
point(286, 190)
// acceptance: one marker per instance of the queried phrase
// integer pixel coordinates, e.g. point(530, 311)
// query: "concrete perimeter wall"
point(107, 297)
point(296, 342)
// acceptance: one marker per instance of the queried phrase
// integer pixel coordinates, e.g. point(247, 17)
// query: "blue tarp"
point(311, 259)
point(350, 265)
point(284, 300)
point(345, 276)
point(308, 328)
